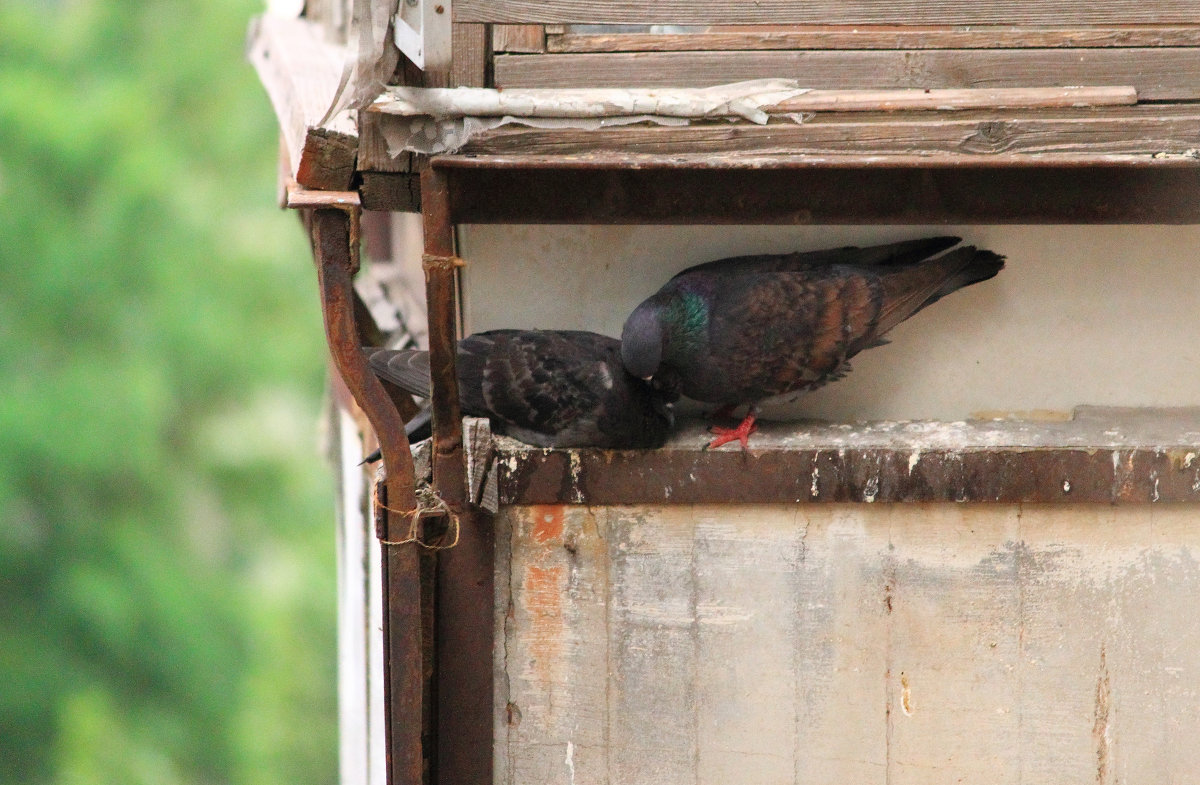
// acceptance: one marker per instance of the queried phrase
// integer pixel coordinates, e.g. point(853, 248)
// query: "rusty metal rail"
point(463, 636)
point(334, 233)
point(458, 724)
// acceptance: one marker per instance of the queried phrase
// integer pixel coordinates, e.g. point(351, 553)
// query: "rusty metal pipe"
point(335, 247)
point(449, 461)
point(464, 625)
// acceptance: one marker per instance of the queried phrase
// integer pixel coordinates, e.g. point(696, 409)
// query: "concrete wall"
point(923, 644)
point(1082, 315)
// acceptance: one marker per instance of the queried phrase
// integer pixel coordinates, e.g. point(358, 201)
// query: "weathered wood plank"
point(391, 191)
point(1158, 73)
point(301, 74)
point(1141, 130)
point(874, 37)
point(956, 99)
point(913, 12)
point(898, 643)
point(373, 152)
point(528, 39)
point(470, 47)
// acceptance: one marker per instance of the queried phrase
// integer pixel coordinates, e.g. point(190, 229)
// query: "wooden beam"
point(874, 37)
point(914, 12)
point(828, 194)
point(301, 74)
point(391, 191)
point(1159, 74)
point(373, 152)
point(1152, 134)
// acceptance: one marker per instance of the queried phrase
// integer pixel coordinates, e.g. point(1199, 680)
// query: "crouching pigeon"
point(547, 388)
point(747, 329)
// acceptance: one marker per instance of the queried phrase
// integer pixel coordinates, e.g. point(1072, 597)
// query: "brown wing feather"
point(776, 333)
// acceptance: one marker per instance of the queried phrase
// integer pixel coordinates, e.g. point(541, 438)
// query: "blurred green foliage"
point(166, 550)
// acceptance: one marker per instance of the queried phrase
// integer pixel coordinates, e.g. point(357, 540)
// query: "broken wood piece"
point(301, 73)
point(300, 198)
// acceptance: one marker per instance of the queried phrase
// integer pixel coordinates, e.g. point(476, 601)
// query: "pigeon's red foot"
point(740, 433)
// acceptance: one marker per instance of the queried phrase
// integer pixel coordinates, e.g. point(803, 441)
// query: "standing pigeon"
point(743, 330)
point(547, 388)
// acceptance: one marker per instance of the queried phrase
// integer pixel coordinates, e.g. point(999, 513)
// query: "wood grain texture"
point(470, 46)
point(529, 39)
point(1140, 130)
point(912, 12)
point(1158, 73)
point(891, 644)
point(956, 99)
point(373, 152)
point(874, 37)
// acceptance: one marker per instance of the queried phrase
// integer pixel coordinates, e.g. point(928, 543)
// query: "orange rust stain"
point(547, 523)
point(544, 587)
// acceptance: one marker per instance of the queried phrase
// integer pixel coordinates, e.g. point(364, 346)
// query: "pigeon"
point(752, 328)
point(549, 388)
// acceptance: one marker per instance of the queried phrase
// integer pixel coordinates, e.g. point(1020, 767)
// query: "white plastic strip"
point(740, 99)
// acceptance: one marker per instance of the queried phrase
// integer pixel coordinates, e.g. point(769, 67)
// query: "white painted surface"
point(842, 643)
point(1101, 315)
point(362, 753)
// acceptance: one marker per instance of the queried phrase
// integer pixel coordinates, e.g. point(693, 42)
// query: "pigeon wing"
point(890, 254)
point(542, 381)
point(777, 332)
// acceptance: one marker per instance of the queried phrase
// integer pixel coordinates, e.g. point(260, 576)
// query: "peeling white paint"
point(913, 460)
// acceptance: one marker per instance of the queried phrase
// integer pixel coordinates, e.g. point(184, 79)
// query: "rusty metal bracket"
point(333, 223)
point(464, 625)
